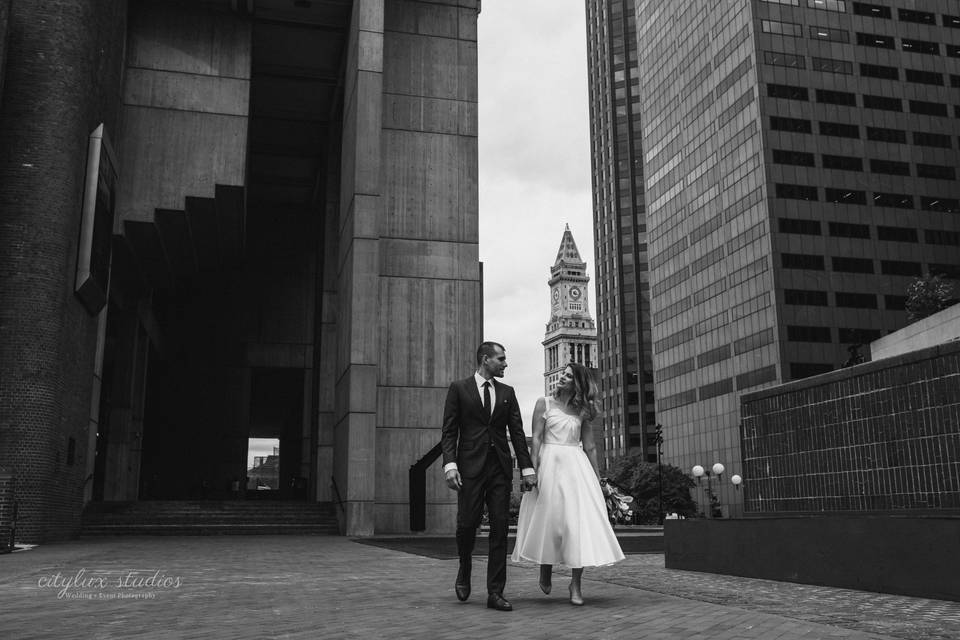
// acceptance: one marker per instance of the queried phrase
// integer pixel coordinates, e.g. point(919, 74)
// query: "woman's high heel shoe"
point(545, 582)
point(576, 598)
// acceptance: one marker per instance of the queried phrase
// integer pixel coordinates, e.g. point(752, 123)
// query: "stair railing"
point(418, 488)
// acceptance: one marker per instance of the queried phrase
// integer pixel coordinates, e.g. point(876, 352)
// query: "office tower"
point(571, 335)
point(620, 230)
point(225, 220)
point(800, 171)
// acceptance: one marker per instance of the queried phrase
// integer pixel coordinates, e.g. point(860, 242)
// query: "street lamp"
point(659, 441)
point(699, 472)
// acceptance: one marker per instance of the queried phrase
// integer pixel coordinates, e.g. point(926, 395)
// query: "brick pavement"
point(241, 587)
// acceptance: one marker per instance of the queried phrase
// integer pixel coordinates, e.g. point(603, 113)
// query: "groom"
point(477, 417)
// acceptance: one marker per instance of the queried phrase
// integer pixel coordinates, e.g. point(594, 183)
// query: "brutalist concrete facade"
point(294, 250)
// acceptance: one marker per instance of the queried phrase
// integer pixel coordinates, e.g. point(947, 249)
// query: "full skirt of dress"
point(564, 519)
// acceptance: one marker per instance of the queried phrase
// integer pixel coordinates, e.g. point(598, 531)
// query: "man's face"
point(495, 364)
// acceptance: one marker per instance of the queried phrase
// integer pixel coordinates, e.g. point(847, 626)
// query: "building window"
point(875, 40)
point(936, 171)
point(796, 192)
point(941, 237)
point(829, 65)
point(953, 50)
point(925, 139)
point(894, 303)
point(944, 205)
point(795, 125)
point(879, 134)
point(848, 230)
point(778, 59)
point(790, 29)
point(826, 96)
point(845, 196)
point(801, 261)
point(928, 108)
point(890, 167)
point(879, 71)
point(787, 91)
point(852, 265)
point(715, 389)
point(797, 333)
point(924, 77)
point(894, 200)
point(872, 10)
point(792, 3)
point(839, 129)
point(858, 336)
point(831, 34)
point(946, 270)
point(921, 46)
point(799, 158)
point(803, 227)
point(805, 297)
point(951, 21)
point(844, 163)
point(828, 5)
point(882, 103)
point(923, 17)
point(800, 370)
point(896, 234)
point(855, 300)
point(900, 268)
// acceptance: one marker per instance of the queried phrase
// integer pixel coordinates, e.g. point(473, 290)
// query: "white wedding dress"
point(564, 520)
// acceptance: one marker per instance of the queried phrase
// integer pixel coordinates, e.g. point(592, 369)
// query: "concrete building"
point(571, 335)
point(620, 230)
point(800, 168)
point(234, 219)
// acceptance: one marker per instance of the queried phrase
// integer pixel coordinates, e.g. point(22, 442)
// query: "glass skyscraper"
point(799, 165)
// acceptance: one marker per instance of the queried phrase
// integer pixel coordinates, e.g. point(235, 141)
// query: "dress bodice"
point(560, 427)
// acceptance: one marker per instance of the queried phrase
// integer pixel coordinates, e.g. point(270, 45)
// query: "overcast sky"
point(534, 171)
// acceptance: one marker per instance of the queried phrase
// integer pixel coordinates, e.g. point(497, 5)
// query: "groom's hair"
point(488, 349)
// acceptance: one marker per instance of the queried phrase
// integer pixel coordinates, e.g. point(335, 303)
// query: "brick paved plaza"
point(332, 587)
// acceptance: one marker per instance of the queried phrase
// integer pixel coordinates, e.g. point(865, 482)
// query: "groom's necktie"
point(486, 397)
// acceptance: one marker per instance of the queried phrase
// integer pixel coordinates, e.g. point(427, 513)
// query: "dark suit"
point(477, 442)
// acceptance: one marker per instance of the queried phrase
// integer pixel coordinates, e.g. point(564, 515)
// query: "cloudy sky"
point(534, 171)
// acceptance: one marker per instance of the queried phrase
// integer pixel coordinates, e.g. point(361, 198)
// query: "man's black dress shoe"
point(496, 601)
point(462, 586)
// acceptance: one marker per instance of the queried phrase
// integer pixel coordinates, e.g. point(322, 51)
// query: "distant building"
point(571, 335)
point(625, 363)
point(800, 168)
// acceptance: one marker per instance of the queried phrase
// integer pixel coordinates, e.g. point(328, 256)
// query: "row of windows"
point(855, 163)
point(798, 333)
point(878, 134)
point(845, 299)
point(714, 389)
point(853, 196)
point(854, 230)
point(832, 65)
point(833, 34)
point(847, 99)
point(875, 11)
point(846, 264)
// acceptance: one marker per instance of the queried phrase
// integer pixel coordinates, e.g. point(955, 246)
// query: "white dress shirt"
point(480, 381)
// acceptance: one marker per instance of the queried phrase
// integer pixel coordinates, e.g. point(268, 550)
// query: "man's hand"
point(529, 481)
point(453, 479)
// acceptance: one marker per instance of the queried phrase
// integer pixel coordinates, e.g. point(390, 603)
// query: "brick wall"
point(64, 68)
point(879, 437)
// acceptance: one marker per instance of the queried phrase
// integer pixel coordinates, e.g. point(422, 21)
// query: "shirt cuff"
point(529, 471)
point(448, 466)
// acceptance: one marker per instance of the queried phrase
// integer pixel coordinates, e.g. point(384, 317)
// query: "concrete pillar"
point(62, 80)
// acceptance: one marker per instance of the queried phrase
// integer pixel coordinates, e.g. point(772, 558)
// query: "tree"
point(641, 480)
point(928, 295)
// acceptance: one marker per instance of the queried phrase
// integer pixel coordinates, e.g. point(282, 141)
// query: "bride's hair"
point(584, 398)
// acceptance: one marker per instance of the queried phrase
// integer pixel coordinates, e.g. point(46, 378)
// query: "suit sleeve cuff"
point(448, 466)
point(529, 471)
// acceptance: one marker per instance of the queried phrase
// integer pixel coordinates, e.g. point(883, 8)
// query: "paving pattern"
point(291, 587)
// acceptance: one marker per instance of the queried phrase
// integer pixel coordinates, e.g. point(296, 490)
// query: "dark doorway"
point(276, 411)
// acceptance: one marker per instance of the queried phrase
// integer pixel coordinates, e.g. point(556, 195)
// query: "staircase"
point(208, 517)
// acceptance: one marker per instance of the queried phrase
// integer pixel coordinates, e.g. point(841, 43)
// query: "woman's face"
point(566, 379)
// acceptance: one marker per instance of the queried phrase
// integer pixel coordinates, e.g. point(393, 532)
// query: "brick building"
point(231, 219)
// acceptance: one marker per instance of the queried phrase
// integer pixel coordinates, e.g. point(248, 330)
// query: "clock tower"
point(571, 334)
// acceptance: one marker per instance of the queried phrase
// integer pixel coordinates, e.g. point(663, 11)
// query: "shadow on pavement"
point(445, 548)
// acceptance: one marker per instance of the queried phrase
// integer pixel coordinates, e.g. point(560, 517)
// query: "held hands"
point(529, 481)
point(453, 479)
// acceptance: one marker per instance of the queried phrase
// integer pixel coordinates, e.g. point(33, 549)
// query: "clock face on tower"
point(575, 293)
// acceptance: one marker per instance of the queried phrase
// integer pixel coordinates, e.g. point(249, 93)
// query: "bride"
point(564, 519)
